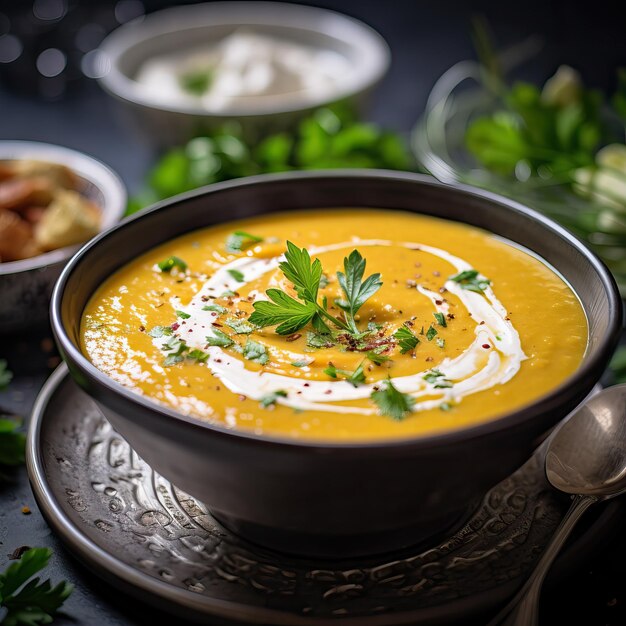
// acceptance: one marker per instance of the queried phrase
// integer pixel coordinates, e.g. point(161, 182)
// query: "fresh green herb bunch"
point(330, 138)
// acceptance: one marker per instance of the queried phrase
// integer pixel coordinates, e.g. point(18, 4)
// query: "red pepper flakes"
point(486, 346)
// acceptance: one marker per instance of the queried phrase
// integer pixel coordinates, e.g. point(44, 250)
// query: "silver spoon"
point(585, 457)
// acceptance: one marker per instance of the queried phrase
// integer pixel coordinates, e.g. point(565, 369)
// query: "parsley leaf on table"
point(29, 602)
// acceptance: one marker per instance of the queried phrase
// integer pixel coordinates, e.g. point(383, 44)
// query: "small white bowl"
point(175, 29)
point(26, 286)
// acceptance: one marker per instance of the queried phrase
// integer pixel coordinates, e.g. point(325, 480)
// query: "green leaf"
point(196, 82)
point(406, 339)
point(431, 333)
point(319, 340)
point(214, 307)
point(377, 359)
point(356, 378)
point(27, 601)
point(437, 379)
point(170, 263)
point(183, 315)
point(271, 398)
point(471, 280)
point(6, 374)
point(160, 331)
point(241, 240)
point(12, 442)
point(237, 275)
point(392, 402)
point(254, 351)
point(172, 359)
point(304, 274)
point(289, 313)
point(356, 291)
point(219, 339)
point(441, 319)
point(241, 327)
point(301, 363)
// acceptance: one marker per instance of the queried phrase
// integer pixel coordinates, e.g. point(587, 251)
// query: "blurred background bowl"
point(178, 28)
point(26, 285)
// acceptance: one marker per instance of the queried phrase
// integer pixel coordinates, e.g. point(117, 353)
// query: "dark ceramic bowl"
point(323, 498)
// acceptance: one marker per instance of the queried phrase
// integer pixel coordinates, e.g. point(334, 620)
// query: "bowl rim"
point(88, 168)
point(374, 52)
point(493, 426)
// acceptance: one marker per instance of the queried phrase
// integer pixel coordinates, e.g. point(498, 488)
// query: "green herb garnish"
point(271, 398)
point(12, 442)
point(392, 402)
point(196, 82)
point(376, 358)
point(159, 331)
point(440, 342)
point(302, 363)
point(431, 333)
point(254, 351)
point(6, 375)
point(356, 291)
point(214, 307)
point(437, 379)
point(406, 339)
point(471, 280)
point(241, 327)
point(170, 263)
point(237, 275)
point(291, 315)
point(219, 339)
point(445, 406)
point(356, 378)
point(319, 340)
point(240, 240)
point(27, 601)
point(183, 315)
point(229, 293)
point(441, 319)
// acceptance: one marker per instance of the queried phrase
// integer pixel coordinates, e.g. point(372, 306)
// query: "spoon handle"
point(523, 609)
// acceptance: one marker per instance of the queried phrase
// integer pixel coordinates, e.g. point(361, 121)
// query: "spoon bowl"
point(586, 457)
point(587, 454)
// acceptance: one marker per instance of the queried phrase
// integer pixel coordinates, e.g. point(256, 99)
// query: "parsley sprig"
point(406, 339)
point(27, 601)
point(356, 378)
point(291, 314)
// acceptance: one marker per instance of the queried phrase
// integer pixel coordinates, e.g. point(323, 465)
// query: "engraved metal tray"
point(144, 535)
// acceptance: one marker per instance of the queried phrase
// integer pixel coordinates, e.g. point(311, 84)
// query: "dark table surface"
point(425, 40)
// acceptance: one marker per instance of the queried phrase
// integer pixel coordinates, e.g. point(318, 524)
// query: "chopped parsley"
point(377, 359)
point(302, 363)
point(431, 333)
point(270, 399)
point(240, 240)
point(406, 339)
point(254, 351)
point(437, 379)
point(214, 307)
point(356, 378)
point(219, 339)
point(159, 331)
point(392, 402)
point(319, 340)
point(241, 327)
point(170, 263)
point(445, 406)
point(472, 281)
point(179, 351)
point(229, 293)
point(183, 315)
point(237, 275)
point(441, 319)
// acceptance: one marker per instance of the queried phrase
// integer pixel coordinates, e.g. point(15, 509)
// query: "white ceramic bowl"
point(26, 286)
point(177, 28)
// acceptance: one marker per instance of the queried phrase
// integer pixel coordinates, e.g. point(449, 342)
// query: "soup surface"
point(446, 325)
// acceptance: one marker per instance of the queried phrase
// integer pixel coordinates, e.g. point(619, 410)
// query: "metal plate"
point(141, 533)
